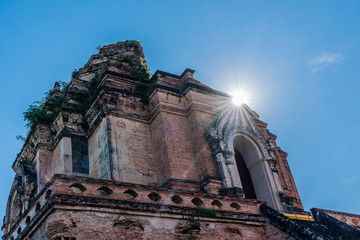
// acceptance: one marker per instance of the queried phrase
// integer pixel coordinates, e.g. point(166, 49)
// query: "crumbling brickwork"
point(119, 155)
point(273, 233)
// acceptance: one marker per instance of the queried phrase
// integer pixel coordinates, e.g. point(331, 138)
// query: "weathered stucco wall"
point(43, 168)
point(179, 147)
point(199, 122)
point(158, 134)
point(132, 151)
point(56, 159)
point(99, 154)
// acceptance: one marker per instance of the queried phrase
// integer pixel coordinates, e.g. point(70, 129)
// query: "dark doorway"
point(245, 176)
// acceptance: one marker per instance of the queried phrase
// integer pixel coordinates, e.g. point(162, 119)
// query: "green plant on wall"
point(21, 138)
point(25, 160)
point(74, 73)
point(142, 90)
point(90, 94)
point(46, 110)
point(137, 68)
point(132, 43)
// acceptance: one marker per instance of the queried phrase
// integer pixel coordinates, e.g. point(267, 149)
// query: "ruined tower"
point(117, 154)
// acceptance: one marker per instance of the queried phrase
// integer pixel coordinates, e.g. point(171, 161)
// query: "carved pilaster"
point(223, 172)
point(232, 169)
point(221, 136)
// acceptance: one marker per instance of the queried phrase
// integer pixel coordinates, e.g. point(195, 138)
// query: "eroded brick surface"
point(104, 225)
point(273, 233)
point(147, 141)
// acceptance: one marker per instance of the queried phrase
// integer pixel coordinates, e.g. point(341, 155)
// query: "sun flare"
point(239, 97)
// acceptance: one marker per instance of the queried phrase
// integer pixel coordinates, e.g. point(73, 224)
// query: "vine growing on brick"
point(46, 110)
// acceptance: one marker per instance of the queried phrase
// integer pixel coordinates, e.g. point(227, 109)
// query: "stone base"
point(232, 192)
point(184, 185)
point(212, 186)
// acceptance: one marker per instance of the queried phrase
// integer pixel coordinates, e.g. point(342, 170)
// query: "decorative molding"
point(220, 137)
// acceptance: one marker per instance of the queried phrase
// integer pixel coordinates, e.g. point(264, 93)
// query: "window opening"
point(245, 176)
point(80, 158)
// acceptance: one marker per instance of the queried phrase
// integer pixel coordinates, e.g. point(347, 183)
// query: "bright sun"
point(239, 97)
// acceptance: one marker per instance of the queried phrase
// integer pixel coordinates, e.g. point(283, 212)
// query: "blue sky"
point(298, 60)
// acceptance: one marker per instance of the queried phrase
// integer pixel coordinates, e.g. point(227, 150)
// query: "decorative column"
point(236, 185)
point(224, 174)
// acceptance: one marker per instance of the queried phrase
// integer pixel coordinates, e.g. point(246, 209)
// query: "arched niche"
point(260, 172)
point(236, 129)
point(12, 209)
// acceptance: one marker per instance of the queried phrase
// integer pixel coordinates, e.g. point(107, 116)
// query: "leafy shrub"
point(46, 110)
point(74, 73)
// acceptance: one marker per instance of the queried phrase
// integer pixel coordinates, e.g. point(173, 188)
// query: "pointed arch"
point(261, 176)
point(237, 131)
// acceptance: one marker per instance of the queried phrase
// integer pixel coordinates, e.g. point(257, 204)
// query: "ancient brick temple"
point(116, 154)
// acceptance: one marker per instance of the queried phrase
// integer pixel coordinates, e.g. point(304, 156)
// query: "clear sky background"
point(299, 61)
